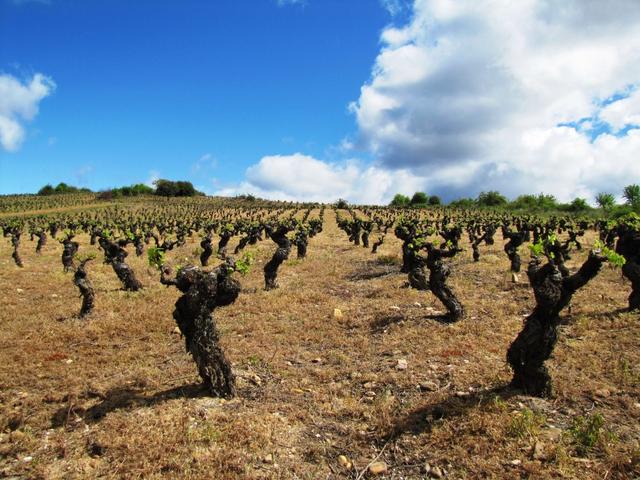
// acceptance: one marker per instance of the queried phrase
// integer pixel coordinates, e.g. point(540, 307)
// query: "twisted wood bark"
point(535, 343)
point(202, 293)
point(85, 286)
point(279, 235)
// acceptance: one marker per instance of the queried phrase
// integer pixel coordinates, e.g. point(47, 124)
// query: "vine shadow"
point(424, 418)
point(120, 398)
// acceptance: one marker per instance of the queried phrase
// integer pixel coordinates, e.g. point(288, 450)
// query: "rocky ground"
point(343, 372)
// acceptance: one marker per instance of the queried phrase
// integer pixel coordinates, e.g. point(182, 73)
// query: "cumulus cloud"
point(395, 7)
point(304, 178)
point(204, 163)
point(623, 113)
point(19, 104)
point(282, 3)
point(473, 95)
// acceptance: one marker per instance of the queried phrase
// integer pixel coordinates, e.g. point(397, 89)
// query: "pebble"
point(402, 364)
point(376, 468)
point(268, 458)
point(345, 462)
point(436, 472)
point(429, 386)
point(552, 434)
point(515, 463)
point(337, 313)
point(602, 393)
point(538, 451)
point(394, 307)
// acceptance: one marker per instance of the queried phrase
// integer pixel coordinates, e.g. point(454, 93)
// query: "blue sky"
point(322, 99)
point(148, 86)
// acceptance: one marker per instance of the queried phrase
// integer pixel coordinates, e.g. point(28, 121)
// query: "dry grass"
point(117, 397)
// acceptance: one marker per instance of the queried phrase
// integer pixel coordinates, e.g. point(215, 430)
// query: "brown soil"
point(116, 396)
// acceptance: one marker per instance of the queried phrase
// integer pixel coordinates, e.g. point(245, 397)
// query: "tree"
point(491, 199)
point(463, 203)
point(61, 188)
point(46, 190)
point(434, 200)
point(419, 198)
point(64, 188)
point(342, 204)
point(167, 188)
point(579, 205)
point(605, 201)
point(534, 202)
point(399, 200)
point(631, 194)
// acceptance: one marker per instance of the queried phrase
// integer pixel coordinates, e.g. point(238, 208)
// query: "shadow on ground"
point(120, 398)
point(422, 419)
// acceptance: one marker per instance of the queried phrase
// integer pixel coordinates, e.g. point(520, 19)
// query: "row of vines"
point(430, 239)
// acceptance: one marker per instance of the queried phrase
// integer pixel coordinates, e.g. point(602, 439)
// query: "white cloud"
point(469, 95)
point(304, 178)
point(204, 163)
point(18, 104)
point(154, 176)
point(394, 7)
point(282, 3)
point(623, 112)
point(83, 173)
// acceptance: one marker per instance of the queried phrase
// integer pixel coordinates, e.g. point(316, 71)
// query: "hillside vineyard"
point(384, 324)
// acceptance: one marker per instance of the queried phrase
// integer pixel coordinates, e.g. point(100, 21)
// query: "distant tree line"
point(418, 199)
point(163, 188)
point(541, 202)
point(130, 191)
point(61, 188)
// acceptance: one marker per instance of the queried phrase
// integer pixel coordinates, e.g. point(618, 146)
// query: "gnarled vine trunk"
point(115, 255)
point(511, 249)
point(281, 254)
point(222, 244)
point(535, 343)
point(42, 241)
point(207, 250)
point(85, 286)
point(202, 293)
point(438, 273)
point(629, 247)
point(69, 250)
point(15, 242)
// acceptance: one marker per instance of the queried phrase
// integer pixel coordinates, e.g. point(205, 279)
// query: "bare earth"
point(116, 396)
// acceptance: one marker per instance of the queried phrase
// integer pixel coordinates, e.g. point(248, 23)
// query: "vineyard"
point(232, 338)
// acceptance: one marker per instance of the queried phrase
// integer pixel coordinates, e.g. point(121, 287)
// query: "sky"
point(322, 99)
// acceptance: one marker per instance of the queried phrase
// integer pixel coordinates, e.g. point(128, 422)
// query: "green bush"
point(491, 199)
point(400, 200)
point(168, 188)
point(419, 198)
